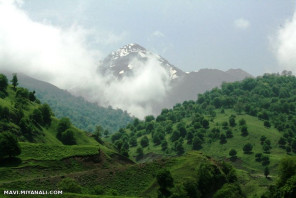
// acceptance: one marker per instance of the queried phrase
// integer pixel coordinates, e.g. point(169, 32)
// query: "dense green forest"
point(83, 114)
point(233, 141)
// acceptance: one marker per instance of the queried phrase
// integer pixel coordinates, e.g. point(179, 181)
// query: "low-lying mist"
point(63, 57)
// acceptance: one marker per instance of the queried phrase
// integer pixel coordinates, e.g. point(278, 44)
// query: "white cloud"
point(157, 33)
point(63, 57)
point(242, 23)
point(284, 44)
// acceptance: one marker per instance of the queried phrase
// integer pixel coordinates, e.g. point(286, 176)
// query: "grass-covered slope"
point(255, 118)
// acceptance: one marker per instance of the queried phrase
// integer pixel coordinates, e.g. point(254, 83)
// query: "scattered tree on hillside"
point(247, 148)
point(9, 145)
point(244, 130)
point(223, 139)
point(165, 182)
point(3, 84)
point(266, 171)
point(14, 81)
point(232, 154)
point(67, 137)
point(232, 121)
point(144, 141)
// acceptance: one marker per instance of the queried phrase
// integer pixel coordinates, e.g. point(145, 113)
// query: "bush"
point(98, 190)
point(69, 185)
point(9, 145)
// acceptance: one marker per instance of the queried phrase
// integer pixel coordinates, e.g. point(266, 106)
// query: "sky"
point(63, 42)
point(190, 34)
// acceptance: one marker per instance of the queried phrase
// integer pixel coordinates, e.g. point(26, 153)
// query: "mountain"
point(120, 62)
point(83, 114)
point(181, 86)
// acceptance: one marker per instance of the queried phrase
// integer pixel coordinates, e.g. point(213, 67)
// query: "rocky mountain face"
point(123, 62)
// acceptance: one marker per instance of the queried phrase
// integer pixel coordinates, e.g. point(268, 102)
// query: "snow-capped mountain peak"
point(122, 62)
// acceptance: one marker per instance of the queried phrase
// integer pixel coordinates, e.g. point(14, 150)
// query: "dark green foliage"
point(164, 145)
point(229, 191)
point(244, 131)
point(63, 125)
point(266, 171)
point(149, 118)
point(265, 160)
point(258, 157)
point(69, 185)
point(267, 124)
point(144, 141)
point(223, 139)
point(282, 142)
point(229, 133)
point(175, 136)
point(179, 147)
point(133, 141)
point(232, 154)
point(248, 148)
point(196, 143)
point(3, 84)
point(209, 179)
point(98, 190)
point(242, 122)
point(232, 121)
point(205, 124)
point(140, 153)
point(98, 133)
point(14, 81)
point(67, 137)
point(165, 182)
point(190, 187)
point(46, 114)
point(9, 146)
point(286, 186)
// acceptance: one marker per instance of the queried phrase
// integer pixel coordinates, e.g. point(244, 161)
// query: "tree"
point(67, 137)
point(14, 81)
point(139, 152)
point(267, 124)
point(242, 122)
point(98, 132)
point(229, 133)
point(223, 139)
point(266, 171)
point(179, 147)
point(244, 131)
point(63, 124)
point(247, 148)
point(9, 145)
point(133, 141)
point(266, 148)
point(3, 83)
point(175, 136)
point(46, 114)
point(232, 154)
point(165, 181)
point(258, 157)
point(232, 121)
point(144, 141)
point(196, 143)
point(164, 145)
point(205, 124)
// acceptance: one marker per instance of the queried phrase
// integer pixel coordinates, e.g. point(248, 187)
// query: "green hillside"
point(83, 114)
point(228, 143)
point(256, 118)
